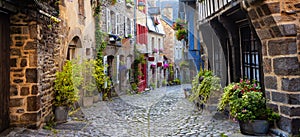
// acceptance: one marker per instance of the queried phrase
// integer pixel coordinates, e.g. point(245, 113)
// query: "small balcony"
point(209, 8)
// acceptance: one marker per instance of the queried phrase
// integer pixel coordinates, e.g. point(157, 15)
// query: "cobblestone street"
point(162, 112)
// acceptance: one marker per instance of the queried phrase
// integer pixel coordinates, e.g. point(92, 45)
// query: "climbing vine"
point(102, 80)
point(99, 4)
point(136, 70)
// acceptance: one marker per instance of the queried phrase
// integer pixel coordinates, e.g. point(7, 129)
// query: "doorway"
point(4, 71)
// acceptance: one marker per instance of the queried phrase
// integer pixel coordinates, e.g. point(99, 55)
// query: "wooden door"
point(4, 71)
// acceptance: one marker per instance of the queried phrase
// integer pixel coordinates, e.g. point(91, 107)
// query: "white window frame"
point(108, 21)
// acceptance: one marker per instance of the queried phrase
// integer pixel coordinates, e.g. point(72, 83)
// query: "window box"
point(151, 58)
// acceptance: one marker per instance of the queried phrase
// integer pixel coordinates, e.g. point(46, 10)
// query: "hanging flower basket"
point(181, 34)
point(179, 24)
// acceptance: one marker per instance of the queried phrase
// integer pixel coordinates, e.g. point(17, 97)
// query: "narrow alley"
point(161, 112)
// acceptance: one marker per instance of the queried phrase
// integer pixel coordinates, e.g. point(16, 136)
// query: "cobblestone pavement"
point(161, 112)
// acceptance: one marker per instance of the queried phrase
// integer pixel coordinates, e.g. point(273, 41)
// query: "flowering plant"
point(161, 50)
point(155, 50)
point(181, 34)
point(166, 65)
point(152, 65)
point(179, 24)
point(246, 102)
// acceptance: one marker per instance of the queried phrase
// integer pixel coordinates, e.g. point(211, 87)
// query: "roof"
point(167, 20)
point(155, 28)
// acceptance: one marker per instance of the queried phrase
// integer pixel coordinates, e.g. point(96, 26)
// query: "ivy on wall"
point(102, 80)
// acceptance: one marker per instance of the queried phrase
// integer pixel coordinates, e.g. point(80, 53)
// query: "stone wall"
point(169, 41)
point(49, 41)
point(277, 25)
point(33, 47)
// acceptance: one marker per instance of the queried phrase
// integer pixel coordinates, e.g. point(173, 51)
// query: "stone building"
point(173, 47)
point(118, 22)
point(188, 13)
point(30, 44)
point(257, 39)
point(38, 36)
point(155, 48)
point(78, 31)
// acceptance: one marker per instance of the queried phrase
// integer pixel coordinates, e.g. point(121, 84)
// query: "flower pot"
point(95, 98)
point(150, 58)
point(61, 114)
point(88, 101)
point(159, 64)
point(255, 127)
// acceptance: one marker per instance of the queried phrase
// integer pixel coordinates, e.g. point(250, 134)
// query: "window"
point(128, 27)
point(108, 23)
point(250, 53)
point(113, 20)
point(81, 11)
point(153, 43)
point(132, 27)
point(159, 45)
point(119, 24)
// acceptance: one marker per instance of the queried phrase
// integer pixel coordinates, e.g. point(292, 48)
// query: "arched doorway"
point(73, 46)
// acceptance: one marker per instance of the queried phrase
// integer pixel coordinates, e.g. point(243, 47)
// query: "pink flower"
point(248, 81)
point(166, 66)
point(254, 85)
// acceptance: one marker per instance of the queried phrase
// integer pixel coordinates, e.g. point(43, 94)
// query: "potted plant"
point(164, 82)
point(248, 105)
point(65, 93)
point(179, 24)
point(203, 86)
point(177, 81)
point(181, 34)
point(88, 84)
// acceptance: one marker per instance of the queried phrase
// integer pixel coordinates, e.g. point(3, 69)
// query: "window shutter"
point(105, 69)
point(107, 20)
point(115, 25)
point(132, 28)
